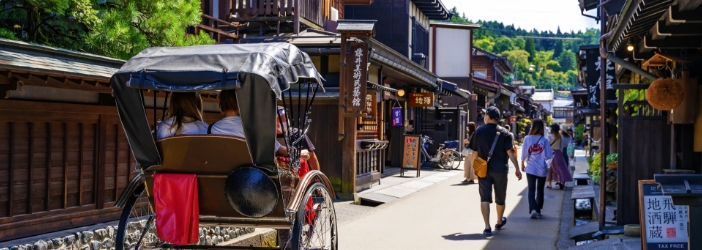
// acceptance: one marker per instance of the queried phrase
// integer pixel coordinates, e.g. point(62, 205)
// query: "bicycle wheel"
point(315, 225)
point(137, 224)
point(450, 159)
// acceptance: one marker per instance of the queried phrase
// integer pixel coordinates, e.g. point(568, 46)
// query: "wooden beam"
point(47, 165)
point(30, 163)
point(65, 167)
point(99, 162)
point(65, 83)
point(660, 31)
point(673, 42)
point(688, 5)
point(673, 16)
point(11, 168)
point(80, 163)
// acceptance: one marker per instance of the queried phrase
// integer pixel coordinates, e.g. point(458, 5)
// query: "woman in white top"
point(185, 116)
point(231, 123)
point(535, 151)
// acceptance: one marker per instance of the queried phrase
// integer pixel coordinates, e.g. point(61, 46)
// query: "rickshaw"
point(240, 181)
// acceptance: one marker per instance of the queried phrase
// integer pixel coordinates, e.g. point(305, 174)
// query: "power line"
point(550, 38)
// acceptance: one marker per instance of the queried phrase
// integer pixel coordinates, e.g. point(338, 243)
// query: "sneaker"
point(499, 226)
point(466, 181)
point(538, 215)
point(534, 214)
point(487, 231)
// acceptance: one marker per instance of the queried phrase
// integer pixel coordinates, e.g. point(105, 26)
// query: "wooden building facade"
point(64, 158)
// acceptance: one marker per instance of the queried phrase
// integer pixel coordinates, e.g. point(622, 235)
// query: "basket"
point(451, 144)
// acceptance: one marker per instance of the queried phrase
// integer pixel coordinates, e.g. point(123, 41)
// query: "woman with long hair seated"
point(184, 116)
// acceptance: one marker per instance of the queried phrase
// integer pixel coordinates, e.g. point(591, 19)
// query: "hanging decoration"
point(665, 94)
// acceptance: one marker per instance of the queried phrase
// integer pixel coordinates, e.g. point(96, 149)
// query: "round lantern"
point(665, 94)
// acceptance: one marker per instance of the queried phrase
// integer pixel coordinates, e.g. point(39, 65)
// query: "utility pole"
point(604, 143)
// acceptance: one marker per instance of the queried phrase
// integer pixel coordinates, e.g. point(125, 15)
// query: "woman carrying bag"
point(468, 172)
point(535, 151)
point(559, 168)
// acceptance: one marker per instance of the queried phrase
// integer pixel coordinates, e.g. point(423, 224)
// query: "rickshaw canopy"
point(259, 72)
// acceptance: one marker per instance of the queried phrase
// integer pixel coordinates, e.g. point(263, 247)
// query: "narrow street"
point(447, 216)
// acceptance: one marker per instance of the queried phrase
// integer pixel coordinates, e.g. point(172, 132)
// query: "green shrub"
point(595, 168)
point(612, 159)
point(579, 130)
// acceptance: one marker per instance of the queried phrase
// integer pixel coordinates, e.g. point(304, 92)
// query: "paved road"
point(447, 216)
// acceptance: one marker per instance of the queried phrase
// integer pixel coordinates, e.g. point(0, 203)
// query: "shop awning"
point(449, 88)
point(372, 85)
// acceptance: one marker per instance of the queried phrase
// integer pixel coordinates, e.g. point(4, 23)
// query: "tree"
point(503, 44)
point(529, 47)
point(130, 26)
point(567, 60)
point(518, 58)
point(558, 49)
point(116, 28)
point(485, 43)
point(519, 43)
point(60, 23)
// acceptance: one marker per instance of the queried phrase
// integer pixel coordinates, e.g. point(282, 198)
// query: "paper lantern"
point(665, 94)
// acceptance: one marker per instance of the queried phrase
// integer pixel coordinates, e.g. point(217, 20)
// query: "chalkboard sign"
point(410, 154)
point(663, 225)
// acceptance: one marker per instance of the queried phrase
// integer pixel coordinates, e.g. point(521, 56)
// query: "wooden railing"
point(276, 10)
point(217, 28)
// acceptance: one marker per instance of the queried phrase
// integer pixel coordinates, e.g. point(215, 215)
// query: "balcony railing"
point(309, 12)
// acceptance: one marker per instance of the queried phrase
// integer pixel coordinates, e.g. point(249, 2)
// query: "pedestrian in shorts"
point(498, 167)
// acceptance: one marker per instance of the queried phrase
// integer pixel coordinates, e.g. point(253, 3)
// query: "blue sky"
point(527, 14)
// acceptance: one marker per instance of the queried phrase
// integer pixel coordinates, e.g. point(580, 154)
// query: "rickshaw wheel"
point(315, 224)
point(137, 224)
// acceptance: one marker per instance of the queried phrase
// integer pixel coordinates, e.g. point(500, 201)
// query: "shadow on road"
point(460, 236)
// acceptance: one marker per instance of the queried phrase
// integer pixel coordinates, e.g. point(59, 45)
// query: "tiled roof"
point(23, 56)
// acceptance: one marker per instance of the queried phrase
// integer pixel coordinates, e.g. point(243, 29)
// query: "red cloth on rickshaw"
point(177, 208)
point(310, 214)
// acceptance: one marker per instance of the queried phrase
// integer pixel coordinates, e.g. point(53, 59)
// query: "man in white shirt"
point(231, 123)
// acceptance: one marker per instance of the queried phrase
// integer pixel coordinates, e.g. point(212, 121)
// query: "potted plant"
point(612, 161)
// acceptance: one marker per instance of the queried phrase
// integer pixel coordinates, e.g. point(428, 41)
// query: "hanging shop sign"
point(663, 225)
point(371, 105)
point(397, 116)
point(593, 79)
point(357, 62)
point(421, 99)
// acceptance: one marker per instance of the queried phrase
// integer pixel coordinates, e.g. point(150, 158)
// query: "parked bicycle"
point(446, 157)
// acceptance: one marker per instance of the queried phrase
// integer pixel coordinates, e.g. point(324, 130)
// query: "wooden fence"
point(61, 166)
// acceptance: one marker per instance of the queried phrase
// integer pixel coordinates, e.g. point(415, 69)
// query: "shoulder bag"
point(479, 164)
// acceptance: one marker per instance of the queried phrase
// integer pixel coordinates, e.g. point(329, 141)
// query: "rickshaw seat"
point(202, 154)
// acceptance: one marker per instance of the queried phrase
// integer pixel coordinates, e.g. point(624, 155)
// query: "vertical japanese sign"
point(397, 116)
point(663, 225)
point(421, 99)
point(357, 62)
point(371, 105)
point(410, 157)
point(594, 80)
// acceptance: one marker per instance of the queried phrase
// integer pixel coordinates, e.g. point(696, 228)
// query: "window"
point(562, 113)
point(420, 43)
point(482, 73)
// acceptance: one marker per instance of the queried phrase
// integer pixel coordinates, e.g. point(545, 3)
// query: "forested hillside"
point(540, 58)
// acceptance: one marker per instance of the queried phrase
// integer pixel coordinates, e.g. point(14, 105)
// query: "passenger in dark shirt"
point(498, 165)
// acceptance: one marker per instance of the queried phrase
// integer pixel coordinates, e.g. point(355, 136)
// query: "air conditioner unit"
point(334, 14)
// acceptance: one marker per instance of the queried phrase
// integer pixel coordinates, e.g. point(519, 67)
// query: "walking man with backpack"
point(493, 148)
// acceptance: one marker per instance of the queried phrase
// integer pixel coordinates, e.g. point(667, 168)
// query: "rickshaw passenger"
point(231, 123)
point(185, 116)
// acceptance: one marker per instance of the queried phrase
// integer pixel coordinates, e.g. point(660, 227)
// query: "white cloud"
point(527, 14)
